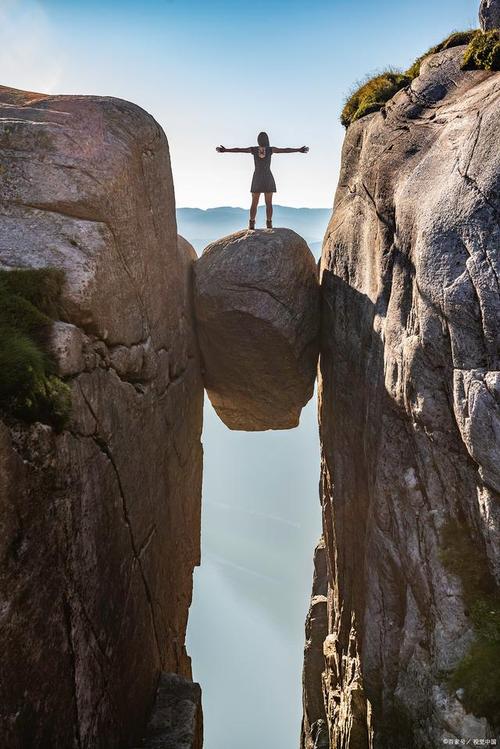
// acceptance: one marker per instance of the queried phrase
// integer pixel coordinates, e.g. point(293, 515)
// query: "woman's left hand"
point(304, 149)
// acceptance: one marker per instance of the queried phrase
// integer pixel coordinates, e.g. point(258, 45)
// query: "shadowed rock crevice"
point(258, 319)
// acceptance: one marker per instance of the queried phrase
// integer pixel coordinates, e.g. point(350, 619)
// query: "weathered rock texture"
point(489, 14)
point(257, 313)
point(100, 523)
point(176, 719)
point(314, 724)
point(409, 407)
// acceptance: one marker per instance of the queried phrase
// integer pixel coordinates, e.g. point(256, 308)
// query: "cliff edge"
point(410, 424)
point(100, 518)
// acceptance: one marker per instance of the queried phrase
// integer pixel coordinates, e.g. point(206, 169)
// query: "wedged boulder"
point(257, 308)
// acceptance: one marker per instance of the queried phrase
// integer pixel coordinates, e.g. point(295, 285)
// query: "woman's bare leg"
point(253, 207)
point(269, 208)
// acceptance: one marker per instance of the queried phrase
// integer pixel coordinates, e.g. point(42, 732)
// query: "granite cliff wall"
point(100, 523)
point(402, 635)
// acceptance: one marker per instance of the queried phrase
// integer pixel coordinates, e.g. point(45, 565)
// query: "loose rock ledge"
point(257, 308)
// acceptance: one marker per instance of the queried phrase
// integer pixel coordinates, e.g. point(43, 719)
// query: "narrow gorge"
point(121, 328)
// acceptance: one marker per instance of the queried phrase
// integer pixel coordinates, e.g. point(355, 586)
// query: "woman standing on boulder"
point(263, 180)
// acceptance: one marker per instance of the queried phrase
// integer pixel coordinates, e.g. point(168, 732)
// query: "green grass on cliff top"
point(29, 387)
point(372, 95)
point(482, 53)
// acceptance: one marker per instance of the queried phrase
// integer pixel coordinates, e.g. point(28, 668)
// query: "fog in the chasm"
point(261, 520)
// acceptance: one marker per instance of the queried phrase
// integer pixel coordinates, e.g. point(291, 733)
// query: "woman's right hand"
point(220, 149)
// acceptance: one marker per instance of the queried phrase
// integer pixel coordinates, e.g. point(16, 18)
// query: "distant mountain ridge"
point(202, 226)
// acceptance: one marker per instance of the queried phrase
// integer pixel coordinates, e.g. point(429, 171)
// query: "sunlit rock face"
point(258, 312)
point(489, 14)
point(99, 524)
point(410, 417)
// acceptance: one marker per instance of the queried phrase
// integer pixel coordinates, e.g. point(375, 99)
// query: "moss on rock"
point(483, 52)
point(29, 387)
point(477, 673)
point(372, 95)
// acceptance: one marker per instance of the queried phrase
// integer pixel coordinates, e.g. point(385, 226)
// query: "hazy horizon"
point(243, 208)
point(219, 72)
point(204, 226)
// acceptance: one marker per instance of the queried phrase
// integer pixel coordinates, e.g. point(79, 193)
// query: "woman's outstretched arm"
point(223, 149)
point(302, 149)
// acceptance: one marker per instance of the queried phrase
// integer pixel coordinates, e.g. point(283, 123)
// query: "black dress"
point(263, 180)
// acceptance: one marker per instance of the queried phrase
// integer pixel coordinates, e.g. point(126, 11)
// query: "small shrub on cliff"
point(477, 673)
point(483, 52)
point(40, 287)
point(372, 96)
point(29, 388)
point(373, 93)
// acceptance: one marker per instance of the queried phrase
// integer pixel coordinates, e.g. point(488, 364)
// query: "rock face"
point(314, 724)
point(257, 314)
point(176, 719)
point(409, 411)
point(99, 523)
point(489, 14)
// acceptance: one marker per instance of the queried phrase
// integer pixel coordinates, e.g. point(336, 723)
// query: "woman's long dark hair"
point(263, 139)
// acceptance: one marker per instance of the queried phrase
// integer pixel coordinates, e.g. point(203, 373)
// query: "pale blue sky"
point(215, 71)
